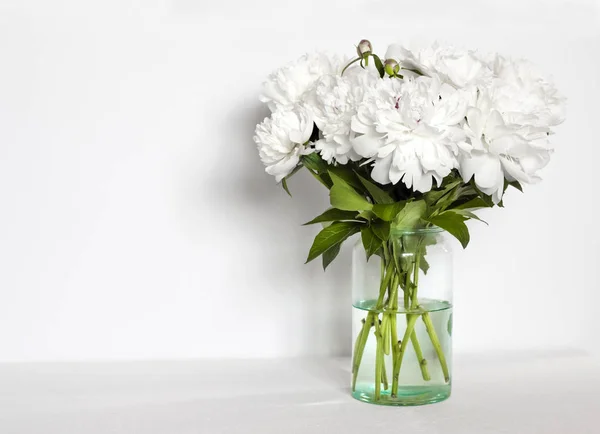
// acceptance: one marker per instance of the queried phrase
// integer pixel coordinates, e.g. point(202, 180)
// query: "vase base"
point(409, 395)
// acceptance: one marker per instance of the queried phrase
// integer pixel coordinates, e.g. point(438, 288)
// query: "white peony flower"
point(501, 150)
point(288, 85)
point(333, 103)
point(523, 96)
point(411, 129)
point(281, 140)
point(460, 68)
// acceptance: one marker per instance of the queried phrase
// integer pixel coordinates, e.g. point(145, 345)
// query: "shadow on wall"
point(280, 244)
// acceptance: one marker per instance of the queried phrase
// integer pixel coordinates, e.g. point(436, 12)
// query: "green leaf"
point(285, 187)
point(323, 179)
point(514, 184)
point(347, 175)
point(343, 196)
point(454, 224)
point(485, 197)
point(475, 203)
point(330, 255)
point(332, 215)
point(318, 168)
point(284, 180)
point(378, 195)
point(333, 234)
point(468, 214)
point(409, 216)
point(381, 229)
point(379, 65)
point(315, 162)
point(370, 242)
point(435, 195)
point(367, 215)
point(388, 211)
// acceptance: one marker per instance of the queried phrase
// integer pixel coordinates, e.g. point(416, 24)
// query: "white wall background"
point(136, 220)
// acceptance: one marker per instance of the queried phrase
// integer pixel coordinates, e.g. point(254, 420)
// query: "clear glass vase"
point(402, 319)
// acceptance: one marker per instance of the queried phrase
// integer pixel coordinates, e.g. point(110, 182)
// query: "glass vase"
point(402, 319)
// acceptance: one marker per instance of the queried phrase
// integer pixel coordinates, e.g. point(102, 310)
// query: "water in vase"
point(416, 372)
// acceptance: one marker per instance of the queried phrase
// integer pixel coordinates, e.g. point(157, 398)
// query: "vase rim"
point(417, 231)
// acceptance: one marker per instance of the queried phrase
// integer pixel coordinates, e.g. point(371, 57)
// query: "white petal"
point(381, 170)
point(395, 51)
point(413, 172)
point(283, 168)
point(397, 167)
point(422, 182)
point(509, 144)
point(308, 126)
point(450, 110)
point(484, 167)
point(430, 157)
point(326, 149)
point(514, 171)
point(488, 171)
point(361, 122)
point(366, 145)
point(297, 137)
point(468, 164)
point(535, 161)
point(497, 195)
point(476, 121)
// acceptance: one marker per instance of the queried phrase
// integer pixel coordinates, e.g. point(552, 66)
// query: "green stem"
point(420, 358)
point(395, 256)
point(393, 328)
point(412, 296)
point(382, 344)
point(361, 341)
point(436, 344)
point(356, 345)
point(410, 325)
point(393, 278)
point(393, 291)
point(417, 264)
point(415, 304)
point(384, 285)
point(386, 255)
point(385, 333)
point(384, 377)
point(393, 302)
point(407, 291)
point(395, 350)
point(378, 360)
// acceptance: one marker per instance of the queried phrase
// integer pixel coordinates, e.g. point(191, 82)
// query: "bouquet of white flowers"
point(420, 139)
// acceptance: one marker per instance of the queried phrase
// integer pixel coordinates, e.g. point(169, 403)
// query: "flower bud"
point(391, 67)
point(364, 47)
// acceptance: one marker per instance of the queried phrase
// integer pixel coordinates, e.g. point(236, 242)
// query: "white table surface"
point(545, 393)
